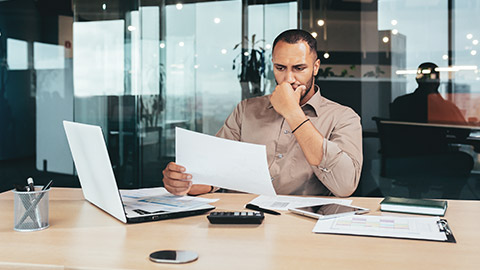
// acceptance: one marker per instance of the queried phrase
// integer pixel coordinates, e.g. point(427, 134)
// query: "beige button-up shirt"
point(256, 121)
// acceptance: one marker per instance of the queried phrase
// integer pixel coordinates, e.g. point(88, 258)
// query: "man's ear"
point(316, 66)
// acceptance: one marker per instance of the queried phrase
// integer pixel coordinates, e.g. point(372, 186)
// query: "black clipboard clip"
point(443, 227)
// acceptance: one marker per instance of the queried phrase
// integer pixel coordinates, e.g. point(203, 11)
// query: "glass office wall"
point(141, 68)
point(420, 122)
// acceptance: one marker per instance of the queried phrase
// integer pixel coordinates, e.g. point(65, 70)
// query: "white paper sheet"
point(384, 226)
point(159, 199)
point(284, 202)
point(224, 163)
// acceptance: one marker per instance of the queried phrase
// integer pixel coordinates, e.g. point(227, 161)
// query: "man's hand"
point(179, 183)
point(286, 100)
point(175, 180)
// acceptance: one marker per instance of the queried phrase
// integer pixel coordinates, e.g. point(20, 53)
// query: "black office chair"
point(421, 158)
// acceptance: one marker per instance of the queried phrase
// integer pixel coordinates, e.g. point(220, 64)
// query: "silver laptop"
point(98, 182)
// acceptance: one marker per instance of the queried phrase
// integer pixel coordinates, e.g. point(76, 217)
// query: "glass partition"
point(141, 68)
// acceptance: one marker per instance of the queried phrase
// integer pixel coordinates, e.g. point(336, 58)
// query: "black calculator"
point(245, 217)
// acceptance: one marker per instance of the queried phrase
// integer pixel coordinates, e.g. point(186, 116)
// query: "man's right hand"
point(175, 180)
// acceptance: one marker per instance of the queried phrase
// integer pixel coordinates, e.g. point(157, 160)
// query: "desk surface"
point(82, 236)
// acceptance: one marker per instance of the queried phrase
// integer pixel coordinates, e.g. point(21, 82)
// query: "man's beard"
point(309, 87)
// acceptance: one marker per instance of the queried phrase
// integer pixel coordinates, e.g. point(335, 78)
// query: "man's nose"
point(290, 78)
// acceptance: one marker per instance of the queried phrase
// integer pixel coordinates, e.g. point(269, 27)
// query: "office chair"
point(421, 158)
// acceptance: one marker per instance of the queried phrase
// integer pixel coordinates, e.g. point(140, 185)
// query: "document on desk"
point(224, 163)
point(426, 228)
point(284, 202)
point(159, 199)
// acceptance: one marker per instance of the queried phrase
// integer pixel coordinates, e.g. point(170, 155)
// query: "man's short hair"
point(294, 36)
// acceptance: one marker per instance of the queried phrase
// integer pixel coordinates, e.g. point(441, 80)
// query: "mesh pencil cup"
point(30, 210)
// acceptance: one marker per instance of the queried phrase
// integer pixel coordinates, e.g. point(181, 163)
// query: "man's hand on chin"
point(285, 100)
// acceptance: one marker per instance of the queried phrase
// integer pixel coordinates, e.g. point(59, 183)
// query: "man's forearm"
point(308, 137)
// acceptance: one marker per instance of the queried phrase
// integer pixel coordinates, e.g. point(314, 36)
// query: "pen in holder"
point(30, 210)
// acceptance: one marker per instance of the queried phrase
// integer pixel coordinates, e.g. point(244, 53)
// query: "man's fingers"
point(172, 166)
point(301, 88)
point(178, 183)
point(176, 175)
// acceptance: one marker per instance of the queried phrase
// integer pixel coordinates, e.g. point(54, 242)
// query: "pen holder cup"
point(30, 210)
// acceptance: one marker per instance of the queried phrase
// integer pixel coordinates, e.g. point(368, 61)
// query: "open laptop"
point(98, 182)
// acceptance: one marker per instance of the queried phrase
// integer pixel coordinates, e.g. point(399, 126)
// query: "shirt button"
point(280, 156)
point(285, 131)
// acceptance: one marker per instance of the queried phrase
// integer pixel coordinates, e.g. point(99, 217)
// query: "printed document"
point(224, 163)
point(383, 226)
point(283, 202)
point(159, 199)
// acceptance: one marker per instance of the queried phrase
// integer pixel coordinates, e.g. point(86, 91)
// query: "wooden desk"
point(82, 236)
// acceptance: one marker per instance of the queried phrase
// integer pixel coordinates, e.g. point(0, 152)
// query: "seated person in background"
point(421, 156)
point(314, 145)
point(426, 105)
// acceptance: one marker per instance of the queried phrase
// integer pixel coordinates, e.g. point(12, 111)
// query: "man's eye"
point(300, 68)
point(281, 68)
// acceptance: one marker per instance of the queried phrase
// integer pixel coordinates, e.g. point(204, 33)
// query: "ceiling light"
point(469, 36)
point(268, 46)
point(445, 57)
point(405, 72)
point(326, 55)
point(475, 42)
point(394, 22)
point(314, 34)
point(181, 44)
point(224, 51)
point(394, 31)
point(131, 28)
point(321, 22)
point(385, 39)
point(179, 6)
point(216, 20)
point(473, 52)
point(162, 45)
point(104, 6)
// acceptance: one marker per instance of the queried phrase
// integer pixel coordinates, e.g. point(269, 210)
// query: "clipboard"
point(398, 227)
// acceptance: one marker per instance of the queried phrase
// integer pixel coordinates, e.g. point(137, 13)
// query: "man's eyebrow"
point(300, 65)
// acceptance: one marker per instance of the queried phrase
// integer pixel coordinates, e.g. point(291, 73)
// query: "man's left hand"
point(286, 100)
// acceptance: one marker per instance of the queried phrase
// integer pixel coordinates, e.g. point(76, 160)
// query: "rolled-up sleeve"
point(341, 164)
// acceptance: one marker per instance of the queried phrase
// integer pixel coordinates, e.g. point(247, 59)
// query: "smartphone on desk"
point(329, 210)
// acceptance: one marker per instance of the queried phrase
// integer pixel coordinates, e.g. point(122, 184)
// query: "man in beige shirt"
point(314, 145)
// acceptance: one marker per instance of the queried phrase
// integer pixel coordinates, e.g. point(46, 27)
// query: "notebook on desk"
point(99, 186)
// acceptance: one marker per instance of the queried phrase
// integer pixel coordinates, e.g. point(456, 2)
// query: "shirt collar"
point(314, 102)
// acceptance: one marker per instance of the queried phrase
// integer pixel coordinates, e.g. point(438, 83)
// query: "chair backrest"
point(399, 139)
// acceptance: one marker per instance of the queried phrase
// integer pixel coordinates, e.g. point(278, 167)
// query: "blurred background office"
point(140, 68)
